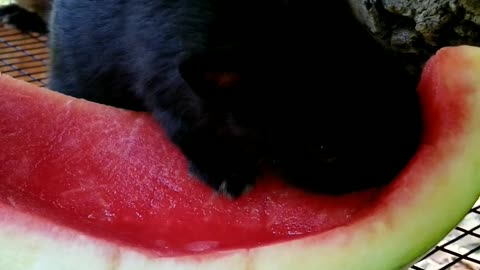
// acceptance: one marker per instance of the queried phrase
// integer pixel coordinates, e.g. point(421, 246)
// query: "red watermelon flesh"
point(74, 173)
point(113, 173)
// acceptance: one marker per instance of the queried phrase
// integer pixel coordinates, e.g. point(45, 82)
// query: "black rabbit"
point(242, 84)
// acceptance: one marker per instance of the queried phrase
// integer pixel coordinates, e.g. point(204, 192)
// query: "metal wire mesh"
point(25, 56)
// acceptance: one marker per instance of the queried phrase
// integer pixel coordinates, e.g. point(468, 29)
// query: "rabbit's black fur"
point(241, 83)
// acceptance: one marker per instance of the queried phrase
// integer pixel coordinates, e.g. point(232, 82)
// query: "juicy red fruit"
point(113, 174)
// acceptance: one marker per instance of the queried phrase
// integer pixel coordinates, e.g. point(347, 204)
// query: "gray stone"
point(416, 29)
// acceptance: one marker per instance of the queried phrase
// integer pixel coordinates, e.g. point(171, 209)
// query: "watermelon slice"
point(87, 186)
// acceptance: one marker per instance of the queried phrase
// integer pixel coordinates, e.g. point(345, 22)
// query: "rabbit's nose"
point(222, 80)
point(212, 75)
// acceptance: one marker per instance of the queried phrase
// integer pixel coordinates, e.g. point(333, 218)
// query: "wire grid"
point(25, 57)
